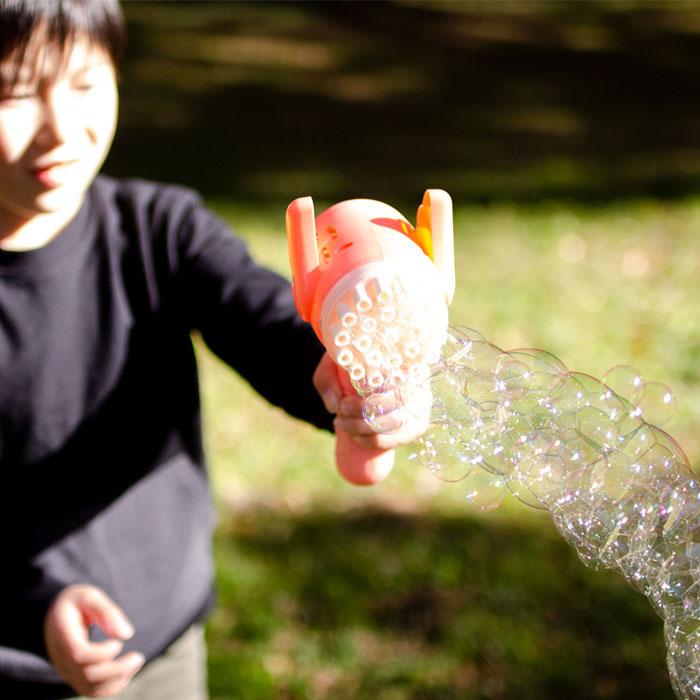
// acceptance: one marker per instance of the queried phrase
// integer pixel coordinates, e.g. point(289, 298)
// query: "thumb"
point(99, 609)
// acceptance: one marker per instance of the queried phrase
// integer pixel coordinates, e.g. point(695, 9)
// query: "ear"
point(303, 253)
point(436, 211)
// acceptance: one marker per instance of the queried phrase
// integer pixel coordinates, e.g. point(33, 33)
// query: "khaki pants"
point(177, 674)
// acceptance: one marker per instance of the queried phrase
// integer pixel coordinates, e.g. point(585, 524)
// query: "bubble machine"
point(375, 289)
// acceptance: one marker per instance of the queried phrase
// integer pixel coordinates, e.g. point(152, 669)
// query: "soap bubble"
point(657, 404)
point(594, 425)
point(684, 663)
point(383, 412)
point(626, 382)
point(444, 453)
point(484, 490)
point(636, 437)
point(618, 487)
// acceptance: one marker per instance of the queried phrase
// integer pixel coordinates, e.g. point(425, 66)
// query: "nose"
point(57, 119)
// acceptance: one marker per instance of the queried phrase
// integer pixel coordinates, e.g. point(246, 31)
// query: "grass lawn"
point(401, 590)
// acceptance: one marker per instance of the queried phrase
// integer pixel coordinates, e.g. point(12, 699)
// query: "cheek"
point(103, 119)
point(17, 131)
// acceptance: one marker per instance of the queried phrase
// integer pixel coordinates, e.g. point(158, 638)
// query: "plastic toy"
point(376, 291)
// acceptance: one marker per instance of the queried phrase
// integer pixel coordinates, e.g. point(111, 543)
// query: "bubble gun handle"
point(375, 290)
point(359, 465)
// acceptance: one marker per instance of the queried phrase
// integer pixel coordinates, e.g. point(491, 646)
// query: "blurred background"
point(568, 134)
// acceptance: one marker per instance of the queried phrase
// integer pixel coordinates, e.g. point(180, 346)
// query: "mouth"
point(52, 174)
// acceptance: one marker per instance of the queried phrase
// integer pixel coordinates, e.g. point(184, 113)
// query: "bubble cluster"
point(592, 453)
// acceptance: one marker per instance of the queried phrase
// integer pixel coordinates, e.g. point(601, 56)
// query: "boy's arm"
point(245, 313)
point(247, 316)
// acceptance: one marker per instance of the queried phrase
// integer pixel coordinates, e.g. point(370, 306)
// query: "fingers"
point(70, 635)
point(387, 441)
point(98, 609)
point(358, 426)
point(111, 677)
point(397, 426)
point(327, 384)
point(91, 668)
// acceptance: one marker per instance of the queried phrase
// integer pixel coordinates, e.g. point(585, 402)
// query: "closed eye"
point(17, 95)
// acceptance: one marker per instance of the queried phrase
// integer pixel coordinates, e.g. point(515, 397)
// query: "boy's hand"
point(90, 668)
point(399, 426)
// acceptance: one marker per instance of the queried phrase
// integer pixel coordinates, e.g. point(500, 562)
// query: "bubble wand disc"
point(375, 290)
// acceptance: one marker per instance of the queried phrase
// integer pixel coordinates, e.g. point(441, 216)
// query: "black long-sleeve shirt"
point(101, 460)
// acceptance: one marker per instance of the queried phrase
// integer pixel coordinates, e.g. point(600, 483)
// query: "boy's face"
point(56, 126)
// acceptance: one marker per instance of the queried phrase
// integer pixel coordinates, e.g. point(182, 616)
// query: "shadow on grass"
point(379, 605)
point(521, 101)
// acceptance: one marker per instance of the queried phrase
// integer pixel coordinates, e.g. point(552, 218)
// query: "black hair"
point(60, 23)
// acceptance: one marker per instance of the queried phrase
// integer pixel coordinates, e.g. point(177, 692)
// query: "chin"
point(60, 199)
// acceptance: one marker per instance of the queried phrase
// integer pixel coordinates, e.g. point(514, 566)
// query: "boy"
point(105, 513)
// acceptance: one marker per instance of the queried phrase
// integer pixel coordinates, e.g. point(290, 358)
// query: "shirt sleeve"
point(245, 313)
point(26, 658)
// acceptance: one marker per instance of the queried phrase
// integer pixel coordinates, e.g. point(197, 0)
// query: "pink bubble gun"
point(375, 290)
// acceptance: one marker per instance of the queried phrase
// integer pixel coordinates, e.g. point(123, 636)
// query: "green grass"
point(401, 590)
point(378, 604)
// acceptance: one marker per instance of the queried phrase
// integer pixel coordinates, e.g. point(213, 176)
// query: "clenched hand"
point(91, 668)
